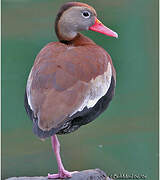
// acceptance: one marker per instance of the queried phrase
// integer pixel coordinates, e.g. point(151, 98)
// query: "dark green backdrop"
point(124, 139)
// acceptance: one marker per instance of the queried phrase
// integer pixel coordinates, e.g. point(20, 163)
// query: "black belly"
point(74, 122)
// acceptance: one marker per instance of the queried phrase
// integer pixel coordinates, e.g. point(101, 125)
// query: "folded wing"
point(64, 81)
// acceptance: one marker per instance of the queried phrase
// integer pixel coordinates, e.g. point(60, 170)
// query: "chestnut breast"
point(65, 79)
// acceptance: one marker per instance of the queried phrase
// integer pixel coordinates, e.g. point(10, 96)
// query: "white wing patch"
point(28, 89)
point(99, 87)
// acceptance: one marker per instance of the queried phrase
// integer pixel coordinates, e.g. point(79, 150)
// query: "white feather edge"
point(99, 87)
point(28, 88)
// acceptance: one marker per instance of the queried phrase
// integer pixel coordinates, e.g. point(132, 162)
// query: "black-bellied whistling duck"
point(72, 81)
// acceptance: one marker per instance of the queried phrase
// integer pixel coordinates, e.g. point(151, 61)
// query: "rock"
point(91, 174)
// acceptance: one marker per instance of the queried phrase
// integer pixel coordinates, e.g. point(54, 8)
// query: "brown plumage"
point(61, 77)
point(71, 81)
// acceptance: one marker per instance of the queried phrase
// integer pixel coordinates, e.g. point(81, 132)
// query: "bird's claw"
point(62, 174)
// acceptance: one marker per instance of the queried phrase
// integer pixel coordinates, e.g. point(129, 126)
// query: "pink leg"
point(62, 173)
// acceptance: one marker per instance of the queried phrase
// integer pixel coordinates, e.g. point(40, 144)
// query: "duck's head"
point(74, 17)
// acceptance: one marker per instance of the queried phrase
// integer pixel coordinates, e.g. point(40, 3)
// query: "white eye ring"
point(86, 14)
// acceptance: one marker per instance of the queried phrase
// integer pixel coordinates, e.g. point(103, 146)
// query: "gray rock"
point(91, 174)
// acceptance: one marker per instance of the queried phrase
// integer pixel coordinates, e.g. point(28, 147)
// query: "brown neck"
point(79, 40)
point(64, 8)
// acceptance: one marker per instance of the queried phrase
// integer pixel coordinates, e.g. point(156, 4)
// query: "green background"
point(124, 139)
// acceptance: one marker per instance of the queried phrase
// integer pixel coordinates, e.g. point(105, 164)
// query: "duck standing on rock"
point(72, 81)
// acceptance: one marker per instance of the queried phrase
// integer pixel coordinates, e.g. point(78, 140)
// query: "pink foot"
point(62, 175)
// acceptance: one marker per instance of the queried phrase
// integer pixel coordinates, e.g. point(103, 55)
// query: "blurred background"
point(124, 139)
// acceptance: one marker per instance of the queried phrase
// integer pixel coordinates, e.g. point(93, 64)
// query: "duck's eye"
point(86, 14)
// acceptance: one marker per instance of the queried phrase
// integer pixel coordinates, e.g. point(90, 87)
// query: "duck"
point(72, 81)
